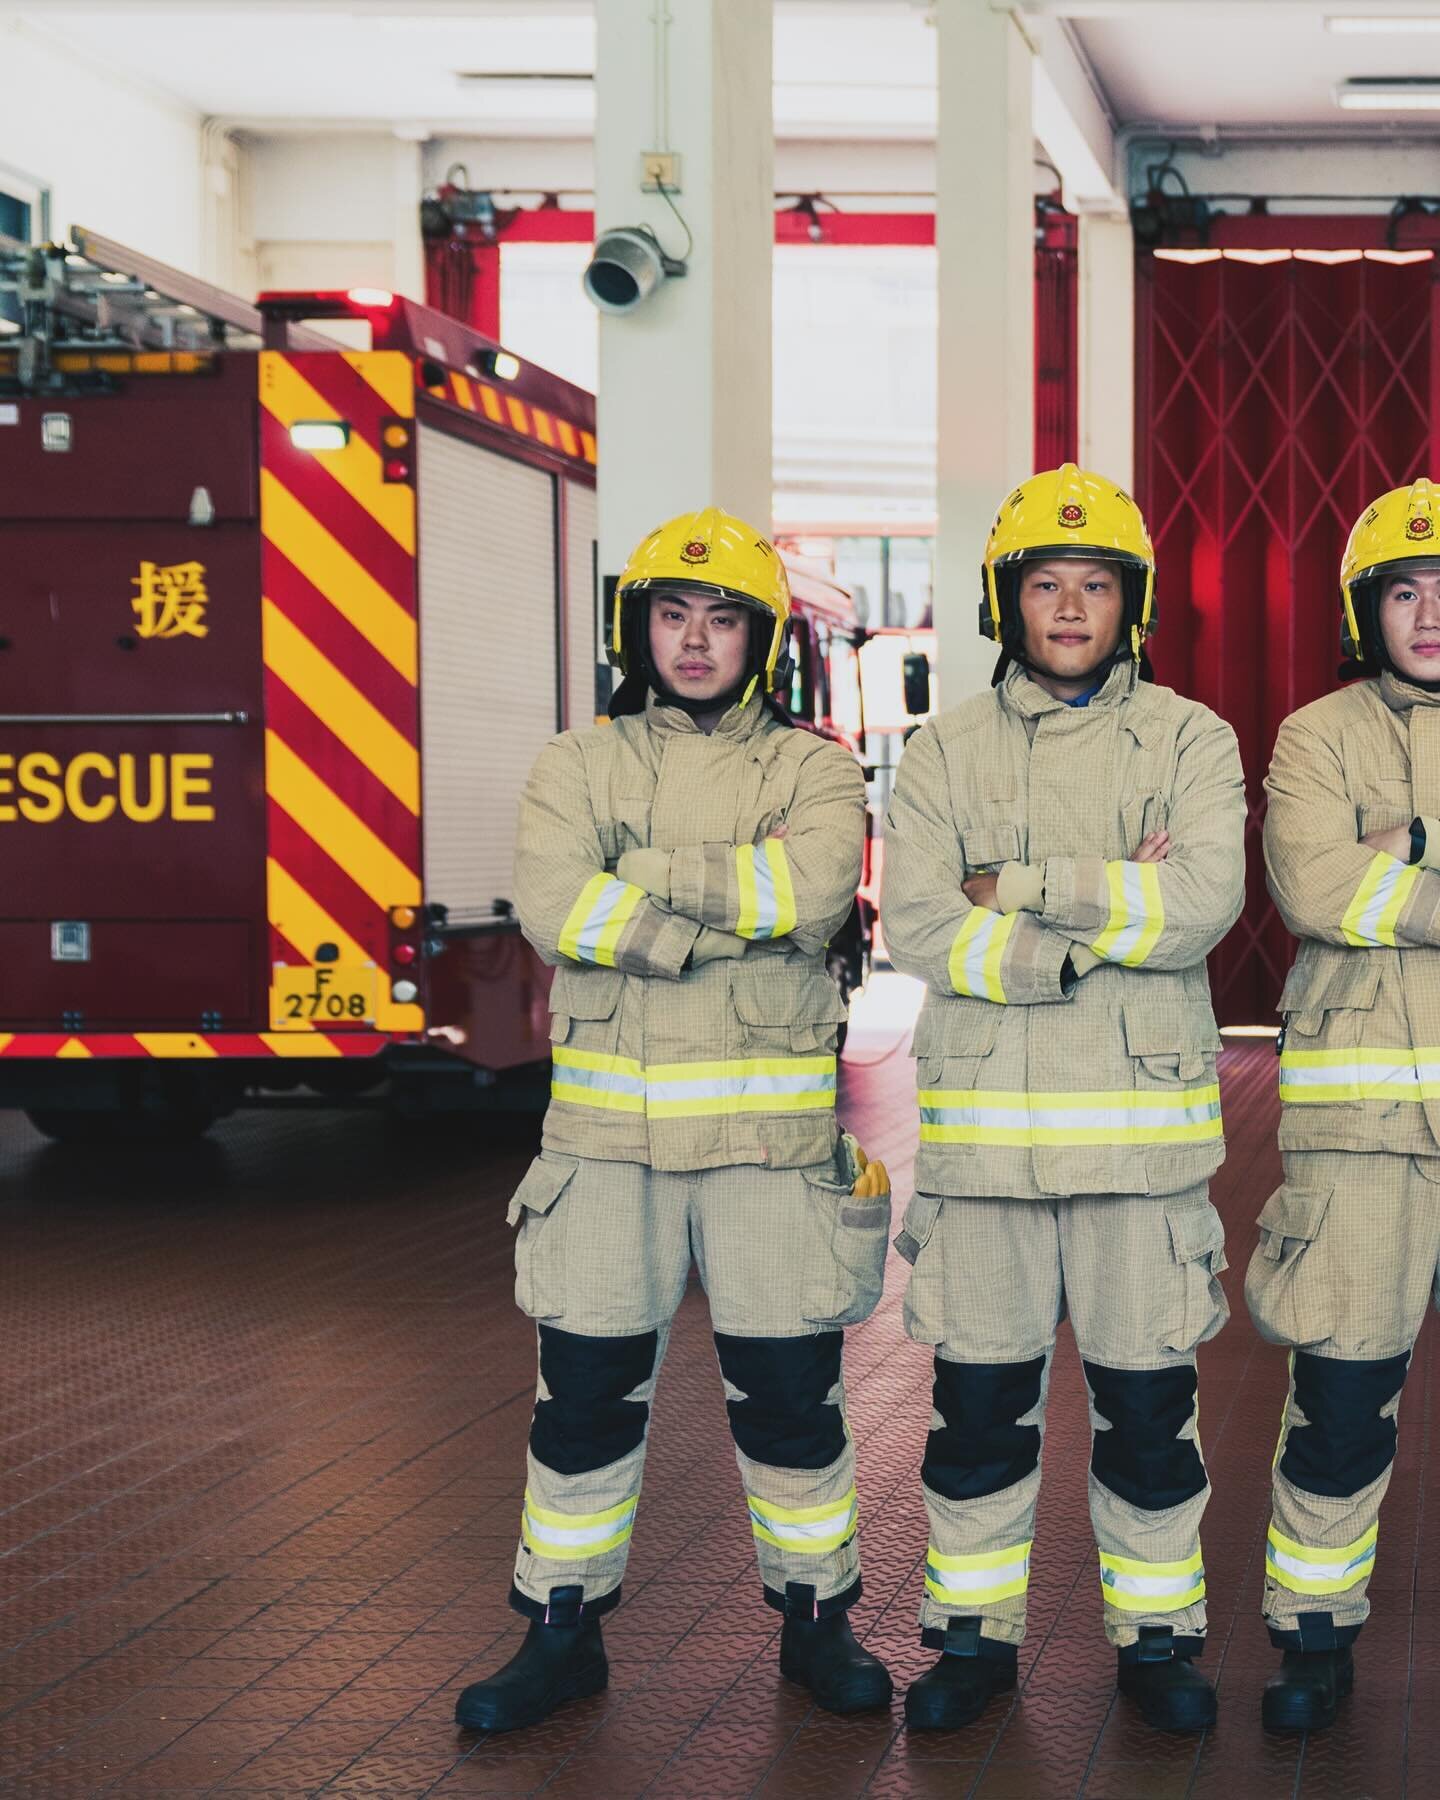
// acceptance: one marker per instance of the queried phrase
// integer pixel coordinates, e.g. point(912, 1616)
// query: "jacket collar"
point(1400, 695)
point(1019, 694)
point(738, 724)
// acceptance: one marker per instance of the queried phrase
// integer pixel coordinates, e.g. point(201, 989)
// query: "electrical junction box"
point(660, 171)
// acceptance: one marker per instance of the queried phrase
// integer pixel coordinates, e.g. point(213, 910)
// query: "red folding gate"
point(1273, 400)
point(1057, 336)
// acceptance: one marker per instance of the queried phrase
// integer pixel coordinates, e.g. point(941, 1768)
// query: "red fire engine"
point(283, 626)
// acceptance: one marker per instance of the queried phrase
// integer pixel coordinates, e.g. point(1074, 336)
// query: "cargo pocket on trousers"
point(1197, 1242)
point(539, 1242)
point(924, 1313)
point(1285, 1282)
point(846, 1285)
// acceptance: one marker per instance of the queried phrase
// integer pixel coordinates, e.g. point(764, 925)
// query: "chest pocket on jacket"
point(1171, 1045)
point(627, 829)
point(952, 1041)
point(587, 996)
point(1139, 817)
point(1336, 1000)
point(987, 845)
point(785, 1012)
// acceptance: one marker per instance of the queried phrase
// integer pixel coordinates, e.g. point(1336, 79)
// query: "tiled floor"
point(263, 1405)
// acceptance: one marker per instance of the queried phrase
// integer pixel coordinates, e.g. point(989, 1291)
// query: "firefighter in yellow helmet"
point(682, 870)
point(1349, 1248)
point(1061, 854)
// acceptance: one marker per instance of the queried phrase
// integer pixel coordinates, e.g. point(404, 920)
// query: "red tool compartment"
point(131, 731)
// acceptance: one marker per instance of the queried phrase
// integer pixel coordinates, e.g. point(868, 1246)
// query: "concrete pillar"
point(684, 391)
point(984, 229)
point(1107, 347)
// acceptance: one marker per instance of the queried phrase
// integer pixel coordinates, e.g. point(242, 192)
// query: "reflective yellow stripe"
point(1304, 1569)
point(575, 1537)
point(805, 1530)
point(978, 952)
point(767, 894)
point(594, 923)
point(1137, 913)
point(1371, 917)
point(1328, 1077)
point(693, 1090)
point(1136, 1586)
point(784, 887)
point(978, 1579)
point(972, 1116)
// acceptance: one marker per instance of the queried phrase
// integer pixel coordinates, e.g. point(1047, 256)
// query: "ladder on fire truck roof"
point(94, 295)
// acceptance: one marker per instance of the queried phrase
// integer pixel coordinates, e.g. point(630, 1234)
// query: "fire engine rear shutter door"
point(583, 649)
point(488, 661)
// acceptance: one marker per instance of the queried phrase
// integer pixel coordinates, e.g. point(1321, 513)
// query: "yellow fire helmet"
point(711, 552)
point(1066, 512)
point(1401, 529)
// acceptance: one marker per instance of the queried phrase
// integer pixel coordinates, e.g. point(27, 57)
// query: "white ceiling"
point(852, 69)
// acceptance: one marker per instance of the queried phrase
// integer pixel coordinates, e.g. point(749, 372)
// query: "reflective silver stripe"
point(975, 952)
point(969, 1581)
point(587, 939)
point(1137, 916)
point(578, 1536)
point(1021, 1117)
point(605, 1079)
point(767, 905)
point(739, 1087)
point(802, 1532)
point(1345, 1574)
point(1368, 924)
point(1152, 1587)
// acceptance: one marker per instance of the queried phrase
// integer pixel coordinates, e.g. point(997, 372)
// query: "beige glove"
point(711, 945)
point(648, 869)
point(1019, 888)
point(1083, 959)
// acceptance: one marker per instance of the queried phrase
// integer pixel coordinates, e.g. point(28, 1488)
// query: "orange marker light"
point(395, 437)
point(402, 917)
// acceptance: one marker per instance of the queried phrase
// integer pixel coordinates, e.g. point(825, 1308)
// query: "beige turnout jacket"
point(1033, 1084)
point(732, 1061)
point(1360, 1058)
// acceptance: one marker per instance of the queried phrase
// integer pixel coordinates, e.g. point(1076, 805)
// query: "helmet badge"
point(1072, 515)
point(696, 551)
point(1419, 525)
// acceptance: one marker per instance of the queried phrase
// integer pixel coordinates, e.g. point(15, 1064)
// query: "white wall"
point(120, 159)
point(328, 209)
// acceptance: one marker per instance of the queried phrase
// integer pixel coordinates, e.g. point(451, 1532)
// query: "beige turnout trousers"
point(788, 1257)
point(1348, 1259)
point(992, 1279)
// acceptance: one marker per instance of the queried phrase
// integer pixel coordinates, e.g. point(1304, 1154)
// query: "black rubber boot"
point(561, 1660)
point(970, 1672)
point(822, 1655)
point(1158, 1675)
point(1305, 1692)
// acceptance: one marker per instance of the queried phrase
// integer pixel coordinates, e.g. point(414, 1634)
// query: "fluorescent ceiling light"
point(1188, 256)
point(1367, 93)
point(1329, 257)
point(1257, 256)
point(1399, 257)
point(1357, 25)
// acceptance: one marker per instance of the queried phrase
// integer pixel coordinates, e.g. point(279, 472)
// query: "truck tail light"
point(404, 954)
point(399, 444)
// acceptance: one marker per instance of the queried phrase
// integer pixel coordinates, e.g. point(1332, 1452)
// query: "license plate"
point(323, 994)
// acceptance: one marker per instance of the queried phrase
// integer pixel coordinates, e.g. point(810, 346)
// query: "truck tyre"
point(110, 1127)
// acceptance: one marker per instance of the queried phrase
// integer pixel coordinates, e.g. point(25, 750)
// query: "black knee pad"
point(587, 1423)
point(981, 1448)
point(1346, 1443)
point(783, 1419)
point(1141, 1458)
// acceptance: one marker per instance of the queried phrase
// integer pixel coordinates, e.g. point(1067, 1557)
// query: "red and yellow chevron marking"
point(511, 413)
point(341, 646)
point(193, 1044)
